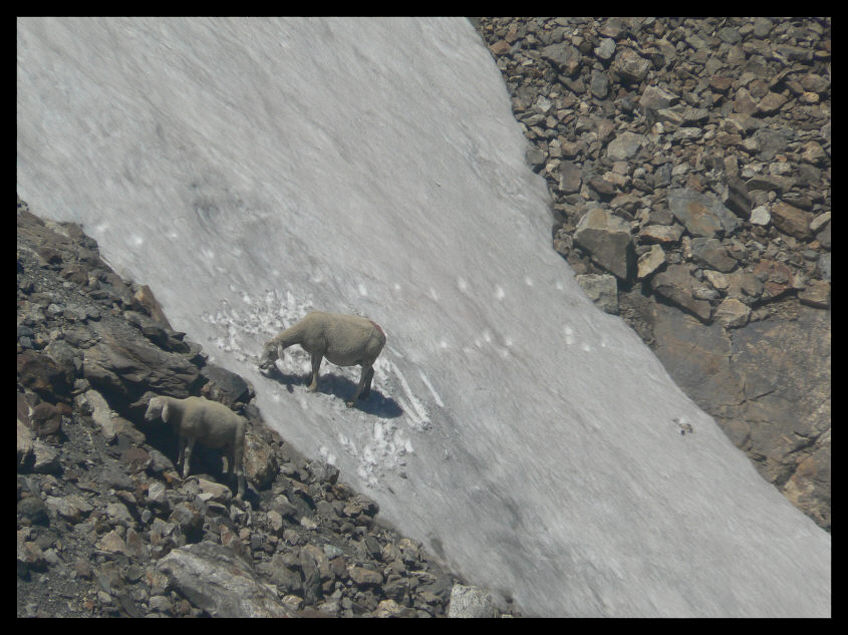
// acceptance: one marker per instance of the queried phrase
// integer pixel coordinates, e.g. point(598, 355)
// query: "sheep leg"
point(238, 464)
point(365, 377)
point(181, 457)
point(316, 364)
point(187, 463)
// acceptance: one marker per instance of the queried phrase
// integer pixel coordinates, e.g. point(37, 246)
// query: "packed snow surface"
point(250, 170)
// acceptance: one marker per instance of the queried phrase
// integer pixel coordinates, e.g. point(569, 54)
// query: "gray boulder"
point(216, 580)
point(607, 239)
point(701, 214)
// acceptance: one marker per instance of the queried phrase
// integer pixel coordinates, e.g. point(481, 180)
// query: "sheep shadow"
point(340, 387)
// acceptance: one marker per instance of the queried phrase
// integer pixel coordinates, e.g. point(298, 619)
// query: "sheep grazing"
point(212, 424)
point(345, 340)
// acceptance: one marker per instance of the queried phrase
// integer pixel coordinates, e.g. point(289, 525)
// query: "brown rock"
point(776, 278)
point(41, 374)
point(732, 313)
point(791, 220)
point(702, 215)
point(720, 84)
point(501, 47)
point(816, 294)
point(771, 103)
point(711, 252)
point(631, 66)
point(744, 103)
point(675, 284)
point(650, 261)
point(46, 419)
point(601, 289)
point(664, 234)
point(607, 239)
point(365, 577)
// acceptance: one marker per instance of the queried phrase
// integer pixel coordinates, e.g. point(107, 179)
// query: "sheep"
point(210, 423)
point(345, 340)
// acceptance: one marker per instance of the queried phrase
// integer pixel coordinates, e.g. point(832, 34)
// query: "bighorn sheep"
point(346, 340)
point(210, 423)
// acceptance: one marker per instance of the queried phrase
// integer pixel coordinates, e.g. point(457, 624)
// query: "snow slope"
point(251, 170)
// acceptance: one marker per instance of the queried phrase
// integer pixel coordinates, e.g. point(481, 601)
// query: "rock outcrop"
point(105, 524)
point(709, 139)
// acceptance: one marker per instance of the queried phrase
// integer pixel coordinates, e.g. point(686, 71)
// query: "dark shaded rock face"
point(709, 140)
point(106, 526)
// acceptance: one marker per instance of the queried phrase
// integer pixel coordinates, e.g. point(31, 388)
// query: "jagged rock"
point(630, 66)
point(711, 252)
point(744, 286)
point(38, 372)
point(701, 214)
point(46, 420)
point(390, 608)
point(738, 199)
point(122, 365)
point(111, 424)
point(147, 301)
point(816, 294)
point(224, 385)
point(676, 285)
point(649, 262)
point(718, 280)
point(260, 462)
point(776, 277)
point(365, 577)
point(469, 601)
point(607, 239)
point(771, 103)
point(219, 582)
point(760, 216)
point(656, 98)
point(791, 220)
point(602, 289)
point(565, 57)
point(732, 313)
point(784, 366)
point(25, 440)
point(624, 146)
point(570, 177)
point(29, 555)
point(45, 458)
point(809, 485)
point(663, 234)
point(824, 237)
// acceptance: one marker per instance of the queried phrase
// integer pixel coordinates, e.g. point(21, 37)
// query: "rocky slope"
point(689, 163)
point(105, 524)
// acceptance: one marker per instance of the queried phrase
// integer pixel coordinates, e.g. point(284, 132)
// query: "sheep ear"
point(165, 412)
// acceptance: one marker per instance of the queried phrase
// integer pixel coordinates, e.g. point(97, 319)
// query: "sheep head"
point(157, 407)
point(270, 354)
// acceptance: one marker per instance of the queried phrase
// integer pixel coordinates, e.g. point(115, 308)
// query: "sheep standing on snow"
point(346, 340)
point(210, 423)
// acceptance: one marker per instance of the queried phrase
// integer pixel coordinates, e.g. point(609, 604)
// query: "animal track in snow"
point(242, 328)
